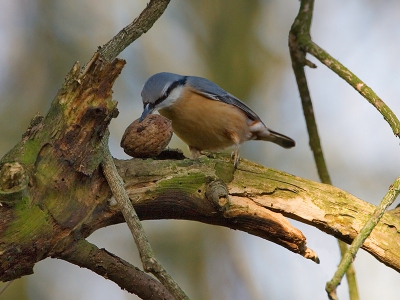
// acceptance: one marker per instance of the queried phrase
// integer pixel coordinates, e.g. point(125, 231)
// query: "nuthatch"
point(205, 116)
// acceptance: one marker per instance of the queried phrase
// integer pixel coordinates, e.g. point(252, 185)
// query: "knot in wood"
point(12, 176)
point(13, 183)
point(217, 192)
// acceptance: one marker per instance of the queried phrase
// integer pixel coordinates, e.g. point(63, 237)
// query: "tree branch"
point(257, 200)
point(86, 255)
point(301, 27)
point(133, 31)
point(176, 189)
point(300, 38)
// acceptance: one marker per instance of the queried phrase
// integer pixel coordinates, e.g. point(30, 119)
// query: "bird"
point(205, 116)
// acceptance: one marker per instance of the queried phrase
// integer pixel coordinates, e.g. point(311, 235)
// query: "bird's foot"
point(235, 157)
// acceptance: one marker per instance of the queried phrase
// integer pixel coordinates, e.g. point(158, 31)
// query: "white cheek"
point(172, 97)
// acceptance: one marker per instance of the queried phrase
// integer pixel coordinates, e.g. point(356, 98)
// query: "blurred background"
point(242, 46)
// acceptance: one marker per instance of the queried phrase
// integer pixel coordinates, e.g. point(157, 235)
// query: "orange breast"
point(207, 124)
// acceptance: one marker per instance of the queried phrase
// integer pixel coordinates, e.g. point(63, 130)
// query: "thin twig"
point(301, 26)
point(348, 258)
point(301, 30)
point(133, 31)
point(356, 83)
point(150, 264)
point(350, 273)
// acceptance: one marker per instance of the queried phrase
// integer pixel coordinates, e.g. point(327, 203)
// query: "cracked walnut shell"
point(148, 138)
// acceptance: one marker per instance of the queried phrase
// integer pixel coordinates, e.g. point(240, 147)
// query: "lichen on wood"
point(60, 155)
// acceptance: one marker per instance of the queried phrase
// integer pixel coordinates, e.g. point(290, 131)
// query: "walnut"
point(148, 138)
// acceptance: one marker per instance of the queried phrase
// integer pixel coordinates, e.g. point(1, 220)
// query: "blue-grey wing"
point(212, 91)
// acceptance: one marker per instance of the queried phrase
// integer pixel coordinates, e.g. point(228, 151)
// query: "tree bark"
point(177, 190)
point(60, 180)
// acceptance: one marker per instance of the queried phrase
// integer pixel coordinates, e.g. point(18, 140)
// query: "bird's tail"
point(280, 139)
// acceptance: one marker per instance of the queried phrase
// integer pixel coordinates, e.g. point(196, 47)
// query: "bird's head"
point(160, 91)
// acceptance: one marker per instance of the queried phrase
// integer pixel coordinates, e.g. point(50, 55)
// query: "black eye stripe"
point(170, 88)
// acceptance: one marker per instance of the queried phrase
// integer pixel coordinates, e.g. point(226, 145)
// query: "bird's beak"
point(148, 109)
